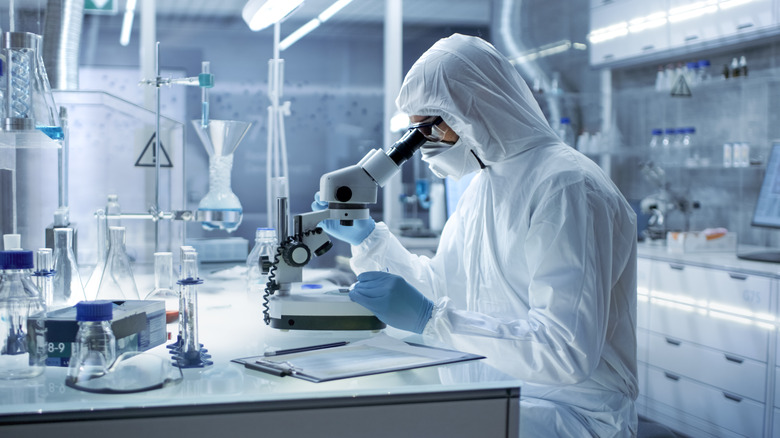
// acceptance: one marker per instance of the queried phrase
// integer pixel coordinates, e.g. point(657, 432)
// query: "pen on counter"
point(303, 349)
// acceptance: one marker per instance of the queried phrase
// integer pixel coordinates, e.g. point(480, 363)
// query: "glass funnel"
point(220, 208)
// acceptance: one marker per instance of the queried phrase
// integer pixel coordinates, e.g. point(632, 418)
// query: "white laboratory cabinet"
point(651, 27)
point(707, 343)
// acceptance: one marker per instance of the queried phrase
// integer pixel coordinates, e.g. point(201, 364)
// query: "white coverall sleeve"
point(567, 250)
point(381, 251)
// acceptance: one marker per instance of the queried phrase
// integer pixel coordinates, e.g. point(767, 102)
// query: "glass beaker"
point(163, 290)
point(29, 103)
point(22, 354)
point(117, 281)
point(68, 289)
point(220, 206)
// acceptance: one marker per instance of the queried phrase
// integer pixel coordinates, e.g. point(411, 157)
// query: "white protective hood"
point(478, 93)
point(536, 269)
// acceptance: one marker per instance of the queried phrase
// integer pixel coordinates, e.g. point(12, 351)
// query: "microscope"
point(288, 304)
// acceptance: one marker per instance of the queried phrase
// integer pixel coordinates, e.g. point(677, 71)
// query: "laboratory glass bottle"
point(94, 349)
point(666, 146)
point(117, 281)
point(68, 289)
point(91, 288)
point(260, 258)
point(655, 144)
point(22, 353)
point(565, 131)
point(164, 290)
point(43, 277)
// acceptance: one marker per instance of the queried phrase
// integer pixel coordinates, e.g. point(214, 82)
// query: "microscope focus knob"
point(296, 255)
point(343, 194)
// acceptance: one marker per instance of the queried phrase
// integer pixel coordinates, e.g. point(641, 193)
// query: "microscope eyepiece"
point(404, 148)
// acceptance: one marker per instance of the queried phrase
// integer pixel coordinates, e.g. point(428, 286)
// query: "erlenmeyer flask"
point(91, 288)
point(68, 289)
point(29, 104)
point(117, 281)
point(163, 290)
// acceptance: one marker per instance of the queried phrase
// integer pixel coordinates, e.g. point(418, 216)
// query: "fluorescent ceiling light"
point(298, 34)
point(651, 21)
point(608, 33)
point(127, 23)
point(313, 24)
point(693, 10)
point(333, 9)
point(728, 4)
point(259, 14)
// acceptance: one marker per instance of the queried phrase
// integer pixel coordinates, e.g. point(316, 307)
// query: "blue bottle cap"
point(692, 65)
point(669, 131)
point(565, 120)
point(265, 229)
point(101, 310)
point(16, 259)
point(704, 63)
point(657, 132)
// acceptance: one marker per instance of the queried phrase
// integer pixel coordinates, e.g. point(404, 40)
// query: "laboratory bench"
point(707, 340)
point(457, 400)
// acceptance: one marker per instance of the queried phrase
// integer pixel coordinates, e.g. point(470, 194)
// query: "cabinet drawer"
point(642, 291)
point(687, 323)
point(726, 410)
point(737, 375)
point(716, 290)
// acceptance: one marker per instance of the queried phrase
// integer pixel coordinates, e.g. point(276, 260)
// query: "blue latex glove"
point(394, 301)
point(353, 235)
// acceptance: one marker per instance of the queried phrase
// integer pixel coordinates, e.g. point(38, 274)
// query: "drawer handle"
point(673, 377)
point(736, 276)
point(674, 342)
point(733, 359)
point(646, 48)
point(744, 26)
point(610, 56)
point(691, 38)
point(676, 267)
point(732, 397)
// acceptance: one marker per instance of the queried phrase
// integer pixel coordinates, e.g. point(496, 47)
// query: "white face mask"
point(445, 160)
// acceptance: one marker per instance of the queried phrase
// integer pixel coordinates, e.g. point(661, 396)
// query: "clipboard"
point(376, 355)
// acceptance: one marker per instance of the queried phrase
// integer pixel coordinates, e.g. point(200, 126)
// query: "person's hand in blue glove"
point(353, 235)
point(394, 301)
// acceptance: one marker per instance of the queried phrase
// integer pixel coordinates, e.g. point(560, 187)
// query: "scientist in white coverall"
point(536, 269)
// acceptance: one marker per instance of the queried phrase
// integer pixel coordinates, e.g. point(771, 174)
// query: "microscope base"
point(324, 308)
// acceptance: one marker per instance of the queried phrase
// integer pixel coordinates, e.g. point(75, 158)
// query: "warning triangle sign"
point(681, 88)
point(148, 159)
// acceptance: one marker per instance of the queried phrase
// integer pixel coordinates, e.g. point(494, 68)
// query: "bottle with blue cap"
point(22, 341)
point(260, 259)
point(94, 349)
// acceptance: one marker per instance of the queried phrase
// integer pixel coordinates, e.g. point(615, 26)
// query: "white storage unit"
point(683, 25)
point(707, 339)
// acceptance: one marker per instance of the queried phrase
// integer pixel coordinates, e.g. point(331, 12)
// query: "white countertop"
point(230, 327)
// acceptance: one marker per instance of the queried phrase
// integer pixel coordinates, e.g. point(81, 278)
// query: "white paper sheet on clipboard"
point(378, 354)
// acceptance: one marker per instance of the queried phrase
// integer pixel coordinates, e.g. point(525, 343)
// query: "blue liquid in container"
point(53, 132)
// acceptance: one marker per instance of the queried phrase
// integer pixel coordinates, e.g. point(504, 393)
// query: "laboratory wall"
point(333, 81)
